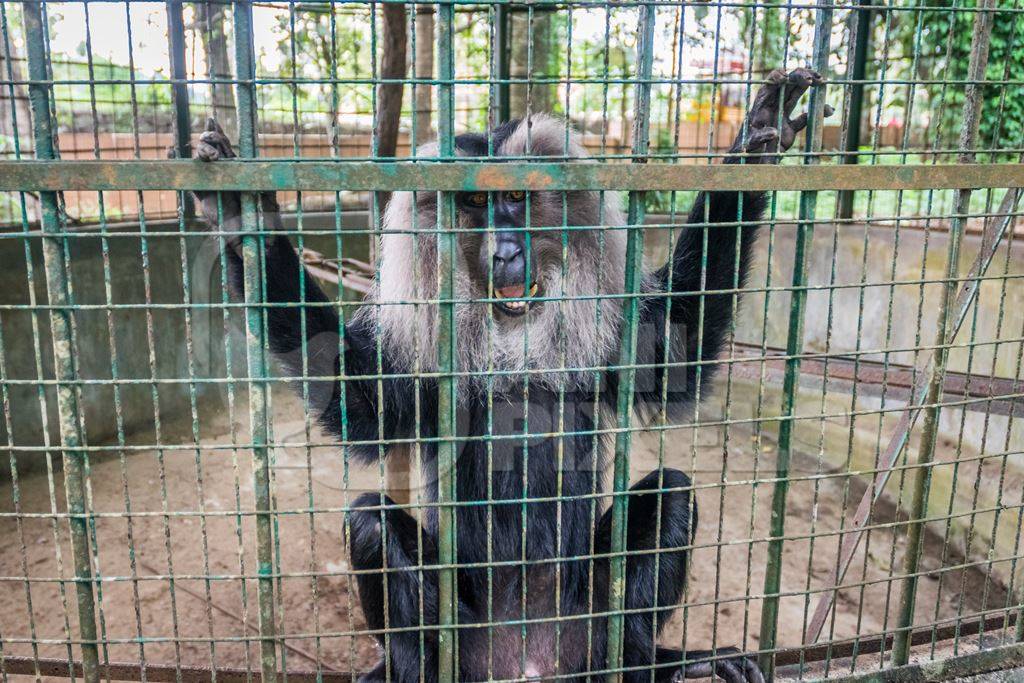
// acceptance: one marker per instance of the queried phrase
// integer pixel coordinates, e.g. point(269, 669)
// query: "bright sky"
point(108, 23)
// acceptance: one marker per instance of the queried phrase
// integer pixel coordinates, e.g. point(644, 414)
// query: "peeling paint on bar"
point(459, 176)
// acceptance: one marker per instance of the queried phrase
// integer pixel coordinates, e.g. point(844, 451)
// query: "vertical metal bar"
point(627, 355)
point(58, 296)
point(179, 94)
point(252, 251)
point(447, 665)
point(858, 69)
point(945, 332)
point(501, 61)
point(794, 344)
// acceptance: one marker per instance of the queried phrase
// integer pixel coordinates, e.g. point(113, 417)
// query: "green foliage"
point(943, 39)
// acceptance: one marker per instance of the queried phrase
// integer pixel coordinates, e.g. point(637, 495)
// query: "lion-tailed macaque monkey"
point(538, 283)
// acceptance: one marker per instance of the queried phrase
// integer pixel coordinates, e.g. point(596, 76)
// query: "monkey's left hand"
point(768, 129)
point(224, 209)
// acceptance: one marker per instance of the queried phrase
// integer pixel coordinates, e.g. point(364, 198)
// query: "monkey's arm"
point(303, 329)
point(713, 251)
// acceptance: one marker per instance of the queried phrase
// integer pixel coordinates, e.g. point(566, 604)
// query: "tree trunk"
point(16, 108)
point(210, 18)
point(389, 95)
point(392, 66)
point(523, 33)
point(424, 69)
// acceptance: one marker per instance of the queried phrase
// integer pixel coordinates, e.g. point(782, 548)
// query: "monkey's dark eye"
point(515, 195)
point(477, 199)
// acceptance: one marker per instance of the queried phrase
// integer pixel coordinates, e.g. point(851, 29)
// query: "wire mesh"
point(198, 454)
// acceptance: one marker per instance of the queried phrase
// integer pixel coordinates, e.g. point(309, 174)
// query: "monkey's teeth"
point(533, 289)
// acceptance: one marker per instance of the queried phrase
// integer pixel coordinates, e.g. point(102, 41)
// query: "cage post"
point(179, 95)
point(74, 459)
point(627, 353)
point(945, 333)
point(501, 62)
point(255, 345)
point(447, 659)
point(794, 344)
point(861, 20)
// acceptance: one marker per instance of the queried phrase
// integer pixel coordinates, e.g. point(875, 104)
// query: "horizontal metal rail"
point(252, 176)
point(166, 673)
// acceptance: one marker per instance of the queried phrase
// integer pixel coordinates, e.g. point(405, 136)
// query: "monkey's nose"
point(509, 263)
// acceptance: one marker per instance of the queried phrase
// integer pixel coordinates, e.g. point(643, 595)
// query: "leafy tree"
point(942, 37)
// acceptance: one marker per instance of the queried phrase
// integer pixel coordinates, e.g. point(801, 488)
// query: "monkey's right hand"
point(224, 209)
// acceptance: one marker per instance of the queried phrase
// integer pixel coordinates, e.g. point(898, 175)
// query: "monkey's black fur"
point(561, 535)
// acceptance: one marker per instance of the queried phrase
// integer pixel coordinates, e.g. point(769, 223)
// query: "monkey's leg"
point(410, 603)
point(653, 580)
point(654, 584)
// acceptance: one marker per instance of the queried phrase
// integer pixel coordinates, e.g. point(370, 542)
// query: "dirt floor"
point(145, 614)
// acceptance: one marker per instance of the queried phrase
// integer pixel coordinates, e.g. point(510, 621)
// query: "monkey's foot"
point(728, 663)
point(770, 128)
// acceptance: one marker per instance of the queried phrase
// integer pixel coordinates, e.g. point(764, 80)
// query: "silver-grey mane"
point(578, 326)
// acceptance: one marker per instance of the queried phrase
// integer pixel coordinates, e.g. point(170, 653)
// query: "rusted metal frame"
point(179, 94)
point(899, 379)
point(163, 673)
point(991, 239)
point(255, 342)
point(951, 669)
point(851, 141)
point(944, 334)
point(627, 354)
point(58, 294)
point(252, 176)
point(794, 344)
point(447, 636)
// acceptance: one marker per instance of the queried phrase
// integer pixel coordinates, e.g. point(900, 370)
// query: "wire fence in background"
point(173, 509)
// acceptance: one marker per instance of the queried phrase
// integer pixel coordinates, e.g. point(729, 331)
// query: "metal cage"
point(859, 458)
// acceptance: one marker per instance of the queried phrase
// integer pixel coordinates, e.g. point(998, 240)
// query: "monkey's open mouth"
point(514, 301)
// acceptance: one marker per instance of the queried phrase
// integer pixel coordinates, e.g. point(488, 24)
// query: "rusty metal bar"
point(464, 176)
point(945, 332)
point(58, 293)
point(255, 345)
point(169, 673)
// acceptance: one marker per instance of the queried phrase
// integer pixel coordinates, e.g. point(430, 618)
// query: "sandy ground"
point(318, 609)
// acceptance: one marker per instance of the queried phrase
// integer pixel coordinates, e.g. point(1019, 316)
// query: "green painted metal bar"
point(627, 352)
point(464, 176)
point(851, 144)
point(1008, 658)
point(255, 345)
point(179, 93)
point(794, 346)
point(447, 660)
point(65, 372)
point(944, 334)
point(501, 62)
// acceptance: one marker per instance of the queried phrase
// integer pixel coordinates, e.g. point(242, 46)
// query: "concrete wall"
point(187, 341)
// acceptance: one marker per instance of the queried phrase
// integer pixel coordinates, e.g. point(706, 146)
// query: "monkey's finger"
point(761, 138)
point(212, 126)
point(695, 670)
point(799, 81)
point(765, 107)
point(211, 140)
point(799, 123)
point(728, 671)
point(753, 671)
point(207, 152)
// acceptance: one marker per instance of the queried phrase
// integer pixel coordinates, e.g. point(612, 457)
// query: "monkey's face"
point(536, 276)
point(508, 252)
